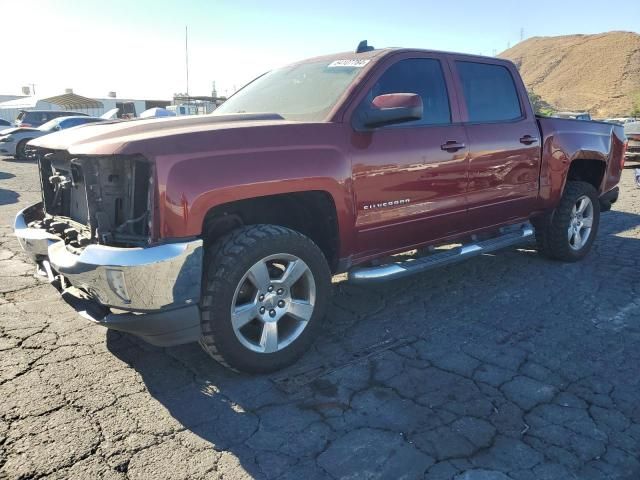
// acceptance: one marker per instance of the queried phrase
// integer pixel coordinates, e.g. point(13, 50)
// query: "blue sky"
point(136, 47)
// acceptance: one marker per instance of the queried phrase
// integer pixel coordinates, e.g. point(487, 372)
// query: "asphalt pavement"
point(507, 366)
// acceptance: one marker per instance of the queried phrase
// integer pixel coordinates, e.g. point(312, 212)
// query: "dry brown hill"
point(599, 73)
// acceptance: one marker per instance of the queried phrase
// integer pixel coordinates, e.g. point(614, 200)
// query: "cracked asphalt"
point(508, 366)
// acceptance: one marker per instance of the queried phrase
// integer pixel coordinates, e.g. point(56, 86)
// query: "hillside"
point(599, 73)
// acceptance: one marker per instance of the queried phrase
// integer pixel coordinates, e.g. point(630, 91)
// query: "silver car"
point(13, 141)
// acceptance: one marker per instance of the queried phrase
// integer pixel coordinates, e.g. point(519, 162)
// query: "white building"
point(70, 101)
point(6, 98)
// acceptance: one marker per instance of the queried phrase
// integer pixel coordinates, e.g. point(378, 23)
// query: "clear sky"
point(136, 47)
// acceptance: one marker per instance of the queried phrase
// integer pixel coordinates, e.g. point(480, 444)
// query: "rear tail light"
point(625, 145)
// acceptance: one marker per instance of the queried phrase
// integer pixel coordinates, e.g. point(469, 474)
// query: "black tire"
point(552, 232)
point(20, 149)
point(226, 263)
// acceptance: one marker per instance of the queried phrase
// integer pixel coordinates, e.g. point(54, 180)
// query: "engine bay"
point(106, 200)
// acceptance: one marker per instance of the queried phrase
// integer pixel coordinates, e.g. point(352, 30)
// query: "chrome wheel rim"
point(580, 223)
point(273, 303)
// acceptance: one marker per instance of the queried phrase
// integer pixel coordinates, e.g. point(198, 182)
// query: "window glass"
point(70, 122)
point(302, 92)
point(422, 76)
point(489, 92)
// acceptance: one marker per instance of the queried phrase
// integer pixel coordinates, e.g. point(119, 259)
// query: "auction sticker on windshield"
point(349, 63)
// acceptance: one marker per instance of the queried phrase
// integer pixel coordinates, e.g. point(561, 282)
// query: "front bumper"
point(8, 148)
point(156, 289)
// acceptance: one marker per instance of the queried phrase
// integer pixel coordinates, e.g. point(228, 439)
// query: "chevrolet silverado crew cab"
point(227, 228)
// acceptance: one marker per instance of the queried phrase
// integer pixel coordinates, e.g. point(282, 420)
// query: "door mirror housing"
point(391, 109)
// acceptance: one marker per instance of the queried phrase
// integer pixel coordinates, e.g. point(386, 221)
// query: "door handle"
point(452, 146)
point(528, 140)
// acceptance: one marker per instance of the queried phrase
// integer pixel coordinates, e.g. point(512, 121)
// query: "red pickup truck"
point(227, 228)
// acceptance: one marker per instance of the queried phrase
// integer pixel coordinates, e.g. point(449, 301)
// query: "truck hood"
point(110, 138)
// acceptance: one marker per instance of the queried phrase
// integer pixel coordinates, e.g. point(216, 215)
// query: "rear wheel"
point(569, 232)
point(265, 292)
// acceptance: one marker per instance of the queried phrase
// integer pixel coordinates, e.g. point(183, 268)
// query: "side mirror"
point(391, 109)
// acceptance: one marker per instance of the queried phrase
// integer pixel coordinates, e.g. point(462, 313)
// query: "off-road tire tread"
point(221, 259)
point(551, 232)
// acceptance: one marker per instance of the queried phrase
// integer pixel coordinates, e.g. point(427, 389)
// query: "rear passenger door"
point(504, 143)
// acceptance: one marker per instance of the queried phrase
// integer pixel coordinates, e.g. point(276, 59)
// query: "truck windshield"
point(303, 92)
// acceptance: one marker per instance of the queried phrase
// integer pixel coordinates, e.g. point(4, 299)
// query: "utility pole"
point(521, 33)
point(186, 55)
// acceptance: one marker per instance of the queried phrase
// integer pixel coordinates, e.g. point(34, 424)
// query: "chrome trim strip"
point(401, 269)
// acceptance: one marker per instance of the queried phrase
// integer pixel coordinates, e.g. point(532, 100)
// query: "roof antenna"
point(363, 47)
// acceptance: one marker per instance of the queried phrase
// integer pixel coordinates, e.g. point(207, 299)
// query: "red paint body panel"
point(566, 140)
point(398, 164)
point(493, 179)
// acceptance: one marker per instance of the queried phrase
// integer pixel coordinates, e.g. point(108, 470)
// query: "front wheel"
point(570, 231)
point(21, 149)
point(265, 293)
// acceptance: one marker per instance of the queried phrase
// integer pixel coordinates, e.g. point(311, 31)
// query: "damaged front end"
point(92, 236)
point(104, 200)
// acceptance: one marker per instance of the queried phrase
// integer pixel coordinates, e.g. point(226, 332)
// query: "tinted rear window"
point(52, 115)
point(489, 92)
point(36, 117)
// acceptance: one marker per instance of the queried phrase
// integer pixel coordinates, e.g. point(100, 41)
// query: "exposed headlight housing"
point(7, 139)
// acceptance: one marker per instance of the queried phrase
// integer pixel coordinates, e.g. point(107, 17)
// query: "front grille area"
point(106, 200)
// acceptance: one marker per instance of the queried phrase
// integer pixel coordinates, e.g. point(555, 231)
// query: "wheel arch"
point(312, 213)
point(587, 169)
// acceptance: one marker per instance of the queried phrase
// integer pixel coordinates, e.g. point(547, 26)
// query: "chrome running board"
point(395, 270)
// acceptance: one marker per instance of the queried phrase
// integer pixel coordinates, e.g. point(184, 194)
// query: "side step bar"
point(402, 269)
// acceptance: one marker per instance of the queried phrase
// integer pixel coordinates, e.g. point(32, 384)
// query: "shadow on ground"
point(508, 362)
point(8, 196)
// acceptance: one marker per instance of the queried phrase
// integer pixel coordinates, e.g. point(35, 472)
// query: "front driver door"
point(410, 179)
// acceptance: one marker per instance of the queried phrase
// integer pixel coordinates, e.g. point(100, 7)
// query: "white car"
point(13, 141)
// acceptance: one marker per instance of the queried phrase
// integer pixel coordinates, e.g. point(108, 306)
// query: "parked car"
point(13, 141)
point(226, 228)
point(4, 125)
point(620, 120)
point(632, 132)
point(35, 118)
